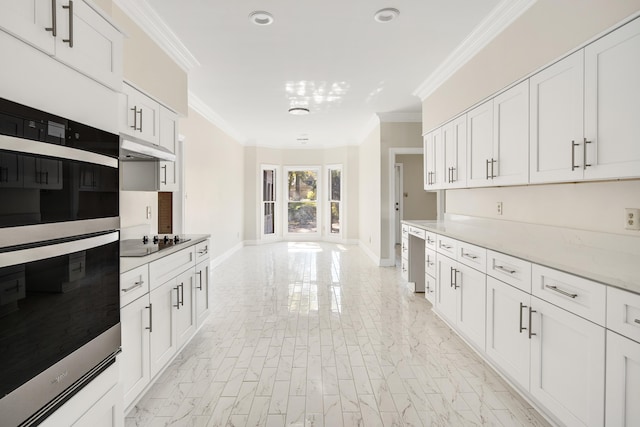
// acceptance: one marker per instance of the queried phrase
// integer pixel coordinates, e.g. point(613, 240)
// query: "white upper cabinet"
point(72, 32)
point(556, 121)
point(612, 104)
point(509, 164)
point(142, 115)
point(480, 145)
point(432, 157)
point(454, 139)
point(169, 140)
point(32, 21)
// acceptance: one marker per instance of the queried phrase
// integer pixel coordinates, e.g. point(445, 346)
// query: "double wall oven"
point(59, 259)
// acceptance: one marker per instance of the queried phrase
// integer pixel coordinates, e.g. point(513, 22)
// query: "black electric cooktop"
point(145, 246)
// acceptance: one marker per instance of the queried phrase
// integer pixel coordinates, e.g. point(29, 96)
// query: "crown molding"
point(200, 107)
point(400, 117)
point(503, 15)
point(152, 24)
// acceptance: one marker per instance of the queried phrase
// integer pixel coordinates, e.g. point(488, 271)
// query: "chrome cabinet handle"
point(445, 246)
point(135, 118)
point(429, 240)
point(573, 155)
point(486, 169)
point(502, 268)
point(70, 8)
point(182, 294)
point(165, 174)
point(560, 291)
point(177, 289)
point(54, 21)
point(140, 120)
point(531, 311)
point(136, 285)
point(454, 278)
point(206, 250)
point(199, 273)
point(521, 327)
point(150, 327)
point(584, 159)
point(493, 161)
point(469, 256)
point(637, 321)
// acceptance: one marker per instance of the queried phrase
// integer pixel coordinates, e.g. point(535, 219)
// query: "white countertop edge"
point(610, 259)
point(129, 263)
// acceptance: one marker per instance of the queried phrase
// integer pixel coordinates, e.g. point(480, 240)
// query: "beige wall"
point(148, 67)
point(545, 32)
point(417, 203)
point(392, 135)
point(133, 209)
point(369, 230)
point(214, 183)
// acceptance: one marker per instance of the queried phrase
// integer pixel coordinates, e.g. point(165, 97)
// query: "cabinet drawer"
point(513, 271)
point(418, 232)
point(575, 294)
point(430, 240)
point(133, 284)
point(472, 256)
point(170, 266)
point(430, 262)
point(447, 246)
point(404, 249)
point(623, 312)
point(202, 251)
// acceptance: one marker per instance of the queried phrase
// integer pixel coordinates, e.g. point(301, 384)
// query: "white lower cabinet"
point(106, 412)
point(185, 308)
point(567, 364)
point(508, 342)
point(163, 342)
point(135, 372)
point(623, 381)
point(202, 291)
point(460, 298)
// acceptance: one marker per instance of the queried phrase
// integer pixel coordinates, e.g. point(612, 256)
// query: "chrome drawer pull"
point(445, 246)
point(506, 270)
point(560, 291)
point(469, 256)
point(531, 311)
point(135, 286)
point(429, 240)
point(70, 8)
point(150, 307)
point(637, 321)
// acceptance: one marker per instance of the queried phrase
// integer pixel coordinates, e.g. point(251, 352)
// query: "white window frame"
point(276, 235)
point(337, 236)
point(319, 203)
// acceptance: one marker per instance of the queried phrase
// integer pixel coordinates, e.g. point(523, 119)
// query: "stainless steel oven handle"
point(23, 256)
point(28, 146)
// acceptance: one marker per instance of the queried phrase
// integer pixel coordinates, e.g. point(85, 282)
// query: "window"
point(302, 206)
point(335, 195)
point(268, 201)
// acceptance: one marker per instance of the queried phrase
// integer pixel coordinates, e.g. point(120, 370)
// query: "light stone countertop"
point(607, 258)
point(129, 263)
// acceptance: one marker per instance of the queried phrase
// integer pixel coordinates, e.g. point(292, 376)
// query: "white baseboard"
point(221, 258)
point(387, 262)
point(374, 257)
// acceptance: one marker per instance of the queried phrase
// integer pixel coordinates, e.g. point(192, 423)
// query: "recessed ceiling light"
point(298, 111)
point(261, 18)
point(386, 15)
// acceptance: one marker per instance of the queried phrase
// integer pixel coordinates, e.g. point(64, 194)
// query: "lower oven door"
point(59, 318)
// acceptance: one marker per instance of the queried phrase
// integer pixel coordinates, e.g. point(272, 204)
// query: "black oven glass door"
point(54, 298)
point(43, 183)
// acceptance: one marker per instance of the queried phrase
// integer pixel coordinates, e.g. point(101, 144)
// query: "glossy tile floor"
point(314, 334)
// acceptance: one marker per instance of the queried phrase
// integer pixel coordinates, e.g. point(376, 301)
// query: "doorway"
point(399, 186)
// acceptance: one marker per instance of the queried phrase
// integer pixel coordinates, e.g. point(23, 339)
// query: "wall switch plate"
point(148, 212)
point(632, 219)
point(499, 208)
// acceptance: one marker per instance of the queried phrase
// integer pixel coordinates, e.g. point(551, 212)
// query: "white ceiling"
point(328, 55)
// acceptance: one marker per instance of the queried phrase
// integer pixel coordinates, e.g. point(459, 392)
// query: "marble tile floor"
point(314, 334)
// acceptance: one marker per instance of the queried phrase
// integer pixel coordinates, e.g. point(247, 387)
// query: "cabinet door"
point(612, 104)
point(163, 342)
point(202, 291)
point(556, 121)
point(623, 381)
point(106, 412)
point(135, 371)
point(511, 136)
point(141, 115)
point(186, 309)
point(454, 136)
point(94, 46)
point(11, 171)
point(471, 303)
point(479, 145)
point(29, 20)
point(508, 343)
point(169, 140)
point(432, 157)
point(567, 365)
point(446, 294)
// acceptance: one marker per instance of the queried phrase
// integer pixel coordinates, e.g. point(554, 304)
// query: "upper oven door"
point(52, 191)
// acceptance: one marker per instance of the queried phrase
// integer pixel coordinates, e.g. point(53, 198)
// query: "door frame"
point(398, 185)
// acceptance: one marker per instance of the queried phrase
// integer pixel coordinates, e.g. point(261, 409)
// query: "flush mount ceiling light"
point(261, 18)
point(386, 15)
point(298, 111)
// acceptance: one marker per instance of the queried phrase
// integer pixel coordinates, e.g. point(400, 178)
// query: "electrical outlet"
point(632, 219)
point(499, 208)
